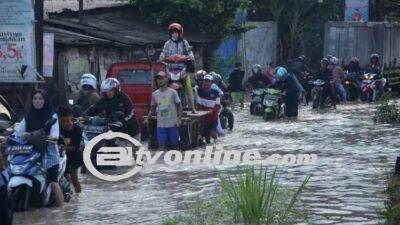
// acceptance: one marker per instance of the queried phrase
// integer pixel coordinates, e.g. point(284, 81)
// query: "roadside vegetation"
point(392, 206)
point(249, 197)
point(388, 110)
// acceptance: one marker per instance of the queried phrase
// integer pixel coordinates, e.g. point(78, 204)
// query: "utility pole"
point(39, 35)
point(80, 11)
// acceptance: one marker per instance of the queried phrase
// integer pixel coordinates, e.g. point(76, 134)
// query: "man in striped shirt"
point(206, 99)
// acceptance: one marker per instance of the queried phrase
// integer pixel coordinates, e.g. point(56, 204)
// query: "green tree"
point(204, 16)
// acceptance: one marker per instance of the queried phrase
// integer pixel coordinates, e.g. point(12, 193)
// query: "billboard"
point(17, 43)
point(356, 10)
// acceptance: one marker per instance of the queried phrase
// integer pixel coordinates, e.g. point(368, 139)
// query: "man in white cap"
point(209, 99)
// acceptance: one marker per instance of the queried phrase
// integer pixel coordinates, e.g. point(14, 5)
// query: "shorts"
point(168, 133)
point(52, 174)
point(74, 160)
point(209, 128)
point(237, 96)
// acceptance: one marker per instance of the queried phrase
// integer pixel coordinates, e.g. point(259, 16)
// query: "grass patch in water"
point(249, 197)
point(392, 206)
point(387, 111)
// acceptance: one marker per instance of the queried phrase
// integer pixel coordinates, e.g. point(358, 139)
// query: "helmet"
point(89, 80)
point(374, 56)
point(354, 60)
point(256, 68)
point(302, 58)
point(324, 60)
point(110, 84)
point(281, 73)
point(334, 61)
point(200, 75)
point(208, 77)
point(217, 77)
point(177, 27)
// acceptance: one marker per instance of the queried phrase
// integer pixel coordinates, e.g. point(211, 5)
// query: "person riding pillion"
point(176, 45)
point(113, 100)
point(88, 95)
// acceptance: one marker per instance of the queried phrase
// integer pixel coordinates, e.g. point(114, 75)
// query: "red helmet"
point(177, 27)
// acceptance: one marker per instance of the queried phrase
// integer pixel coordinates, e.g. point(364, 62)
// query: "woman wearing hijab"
point(41, 110)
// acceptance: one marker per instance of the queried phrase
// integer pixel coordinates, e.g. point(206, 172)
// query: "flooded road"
point(345, 187)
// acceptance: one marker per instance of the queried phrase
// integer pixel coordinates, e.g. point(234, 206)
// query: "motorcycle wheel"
point(252, 109)
point(228, 118)
point(364, 97)
point(20, 198)
point(267, 116)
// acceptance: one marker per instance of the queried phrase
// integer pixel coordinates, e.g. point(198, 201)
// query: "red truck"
point(136, 82)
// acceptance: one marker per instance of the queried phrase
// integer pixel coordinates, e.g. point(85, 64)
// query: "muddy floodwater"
point(346, 185)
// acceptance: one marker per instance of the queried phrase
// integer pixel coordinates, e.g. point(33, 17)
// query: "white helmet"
point(334, 61)
point(88, 79)
point(110, 84)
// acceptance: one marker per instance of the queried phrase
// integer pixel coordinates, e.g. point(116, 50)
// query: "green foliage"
point(249, 197)
point(210, 17)
point(387, 111)
point(223, 67)
point(392, 206)
point(255, 198)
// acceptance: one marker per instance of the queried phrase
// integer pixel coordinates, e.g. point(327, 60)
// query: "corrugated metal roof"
point(118, 25)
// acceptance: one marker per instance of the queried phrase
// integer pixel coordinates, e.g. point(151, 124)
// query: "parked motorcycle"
point(28, 183)
point(256, 105)
point(318, 96)
point(369, 87)
point(273, 104)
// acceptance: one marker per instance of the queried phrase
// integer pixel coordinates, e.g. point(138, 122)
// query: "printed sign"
point(48, 54)
point(357, 10)
point(17, 45)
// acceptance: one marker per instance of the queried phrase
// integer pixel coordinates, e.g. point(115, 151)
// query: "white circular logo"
point(118, 156)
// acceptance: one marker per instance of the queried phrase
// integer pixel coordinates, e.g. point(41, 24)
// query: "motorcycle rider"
point(176, 45)
point(88, 95)
point(258, 78)
point(288, 84)
point(337, 78)
point(113, 100)
point(375, 67)
point(326, 75)
point(40, 112)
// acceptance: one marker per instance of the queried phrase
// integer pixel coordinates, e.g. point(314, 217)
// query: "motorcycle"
point(92, 127)
point(369, 87)
point(318, 96)
point(351, 86)
point(273, 104)
point(256, 105)
point(176, 71)
point(226, 115)
point(28, 183)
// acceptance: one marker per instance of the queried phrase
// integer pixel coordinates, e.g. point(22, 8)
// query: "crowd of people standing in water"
point(207, 94)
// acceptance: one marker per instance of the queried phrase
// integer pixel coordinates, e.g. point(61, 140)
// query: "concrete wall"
point(259, 45)
point(51, 6)
point(348, 39)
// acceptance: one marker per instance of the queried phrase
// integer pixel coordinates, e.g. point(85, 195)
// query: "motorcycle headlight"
point(269, 102)
point(18, 169)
